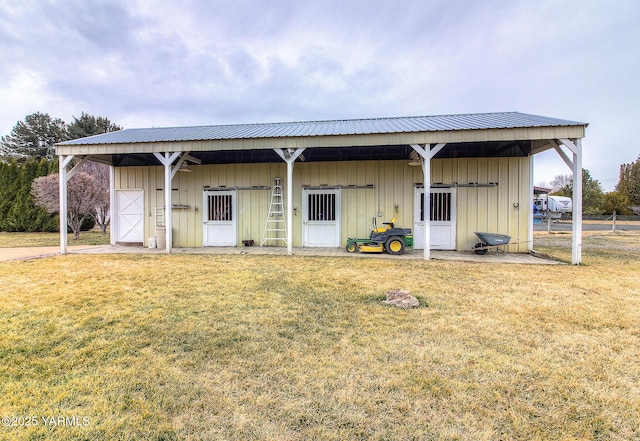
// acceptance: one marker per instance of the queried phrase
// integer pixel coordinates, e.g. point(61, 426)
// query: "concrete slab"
point(491, 257)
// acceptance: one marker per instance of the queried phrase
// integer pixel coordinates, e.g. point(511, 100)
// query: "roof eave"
point(403, 138)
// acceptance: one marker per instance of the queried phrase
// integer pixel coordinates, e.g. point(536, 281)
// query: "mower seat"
point(387, 226)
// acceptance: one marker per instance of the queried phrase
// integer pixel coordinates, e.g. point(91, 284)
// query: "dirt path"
point(35, 252)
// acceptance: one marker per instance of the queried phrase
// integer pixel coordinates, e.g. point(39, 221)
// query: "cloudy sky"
point(153, 63)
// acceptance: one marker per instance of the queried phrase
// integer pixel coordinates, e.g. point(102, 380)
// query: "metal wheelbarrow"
point(490, 240)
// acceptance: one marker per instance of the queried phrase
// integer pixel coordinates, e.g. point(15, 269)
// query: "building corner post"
point(112, 207)
point(62, 188)
point(576, 247)
point(168, 221)
point(530, 209)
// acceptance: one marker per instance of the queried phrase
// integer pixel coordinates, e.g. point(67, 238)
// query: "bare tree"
point(83, 194)
point(101, 213)
point(560, 182)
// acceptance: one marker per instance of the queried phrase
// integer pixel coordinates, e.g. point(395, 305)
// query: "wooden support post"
point(63, 179)
point(166, 159)
point(576, 167)
point(168, 204)
point(426, 153)
point(289, 156)
point(112, 206)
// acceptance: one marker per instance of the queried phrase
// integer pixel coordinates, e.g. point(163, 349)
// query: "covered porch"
point(420, 140)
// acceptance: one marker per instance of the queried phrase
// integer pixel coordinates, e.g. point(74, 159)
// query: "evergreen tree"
point(18, 211)
point(18, 218)
point(34, 137)
point(629, 183)
point(616, 201)
point(89, 125)
point(9, 185)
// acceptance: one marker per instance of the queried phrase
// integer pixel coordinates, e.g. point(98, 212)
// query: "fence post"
point(613, 228)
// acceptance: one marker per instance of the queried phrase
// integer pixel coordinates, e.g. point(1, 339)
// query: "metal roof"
point(413, 124)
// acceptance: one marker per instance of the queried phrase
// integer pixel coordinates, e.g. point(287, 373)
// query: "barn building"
point(335, 176)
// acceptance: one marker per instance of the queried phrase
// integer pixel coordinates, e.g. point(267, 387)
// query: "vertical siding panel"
point(386, 190)
point(503, 196)
point(483, 194)
point(300, 172)
point(448, 174)
point(177, 214)
point(365, 208)
point(525, 209)
point(156, 192)
point(463, 233)
point(436, 171)
point(474, 209)
point(398, 187)
point(514, 198)
point(493, 195)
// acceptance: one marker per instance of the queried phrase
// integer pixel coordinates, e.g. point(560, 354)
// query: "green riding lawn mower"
point(388, 238)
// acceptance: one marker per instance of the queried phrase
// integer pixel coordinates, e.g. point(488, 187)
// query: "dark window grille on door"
point(220, 208)
point(322, 207)
point(440, 207)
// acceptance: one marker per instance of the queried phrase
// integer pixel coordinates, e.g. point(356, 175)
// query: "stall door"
point(442, 213)
point(220, 218)
point(321, 218)
point(130, 209)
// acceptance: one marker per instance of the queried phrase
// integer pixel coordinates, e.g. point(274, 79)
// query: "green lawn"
point(10, 240)
point(287, 348)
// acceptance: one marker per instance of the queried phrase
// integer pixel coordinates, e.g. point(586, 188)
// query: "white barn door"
point(442, 213)
point(220, 218)
point(321, 217)
point(130, 209)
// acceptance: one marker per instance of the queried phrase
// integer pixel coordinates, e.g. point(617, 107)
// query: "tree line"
point(36, 136)
point(29, 181)
point(18, 211)
point(624, 200)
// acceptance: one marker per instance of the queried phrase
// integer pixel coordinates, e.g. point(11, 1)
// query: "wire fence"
point(613, 223)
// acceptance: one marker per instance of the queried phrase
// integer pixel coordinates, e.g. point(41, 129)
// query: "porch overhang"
point(541, 136)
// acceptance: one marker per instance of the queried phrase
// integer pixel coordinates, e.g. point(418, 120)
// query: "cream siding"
point(488, 209)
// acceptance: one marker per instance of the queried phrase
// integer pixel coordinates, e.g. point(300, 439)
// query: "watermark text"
point(46, 421)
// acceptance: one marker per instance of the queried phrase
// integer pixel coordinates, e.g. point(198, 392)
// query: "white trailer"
point(552, 206)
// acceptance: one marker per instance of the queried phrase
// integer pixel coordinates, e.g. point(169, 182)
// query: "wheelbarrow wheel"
point(351, 247)
point(395, 245)
point(480, 249)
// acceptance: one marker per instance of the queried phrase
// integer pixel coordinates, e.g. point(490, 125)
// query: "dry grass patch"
point(254, 347)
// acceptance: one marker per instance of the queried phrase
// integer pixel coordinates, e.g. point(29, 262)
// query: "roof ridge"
point(335, 127)
point(320, 121)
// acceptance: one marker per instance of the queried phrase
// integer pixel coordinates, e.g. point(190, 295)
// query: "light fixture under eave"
point(414, 159)
point(184, 167)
